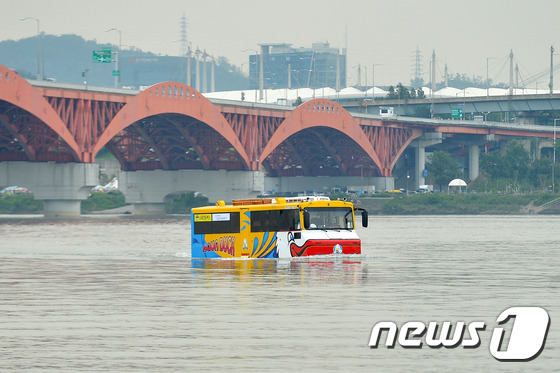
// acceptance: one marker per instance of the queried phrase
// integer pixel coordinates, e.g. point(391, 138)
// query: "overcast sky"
point(464, 34)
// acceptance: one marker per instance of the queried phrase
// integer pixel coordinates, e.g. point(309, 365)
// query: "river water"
point(121, 294)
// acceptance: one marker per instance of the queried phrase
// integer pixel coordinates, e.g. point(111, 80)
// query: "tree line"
point(510, 171)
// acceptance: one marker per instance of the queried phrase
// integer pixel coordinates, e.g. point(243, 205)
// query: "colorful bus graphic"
point(275, 228)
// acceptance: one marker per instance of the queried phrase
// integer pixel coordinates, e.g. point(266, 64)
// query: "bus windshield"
point(330, 218)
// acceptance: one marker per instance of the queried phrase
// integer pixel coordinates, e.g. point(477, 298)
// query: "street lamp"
point(38, 47)
point(373, 80)
point(259, 73)
point(117, 71)
point(298, 82)
point(256, 71)
point(487, 78)
point(432, 91)
point(312, 68)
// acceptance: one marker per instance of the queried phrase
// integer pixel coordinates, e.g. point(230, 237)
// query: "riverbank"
point(380, 204)
point(462, 204)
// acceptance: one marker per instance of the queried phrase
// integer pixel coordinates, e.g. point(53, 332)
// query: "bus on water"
point(275, 228)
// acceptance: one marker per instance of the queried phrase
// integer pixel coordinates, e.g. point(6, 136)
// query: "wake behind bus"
point(276, 228)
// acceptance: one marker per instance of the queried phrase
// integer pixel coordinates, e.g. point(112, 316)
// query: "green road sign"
point(457, 113)
point(102, 56)
point(116, 73)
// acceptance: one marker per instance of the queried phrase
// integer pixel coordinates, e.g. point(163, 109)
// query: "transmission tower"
point(184, 52)
point(417, 81)
point(183, 40)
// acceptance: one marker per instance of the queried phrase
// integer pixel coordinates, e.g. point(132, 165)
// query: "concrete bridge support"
point(61, 186)
point(149, 191)
point(474, 154)
point(420, 144)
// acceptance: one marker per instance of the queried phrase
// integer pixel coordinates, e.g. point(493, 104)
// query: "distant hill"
point(67, 57)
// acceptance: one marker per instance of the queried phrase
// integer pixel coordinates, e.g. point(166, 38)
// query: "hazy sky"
point(381, 32)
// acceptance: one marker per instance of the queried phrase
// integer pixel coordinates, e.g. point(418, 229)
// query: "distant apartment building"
point(286, 67)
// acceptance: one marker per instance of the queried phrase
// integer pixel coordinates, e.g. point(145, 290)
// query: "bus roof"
point(274, 202)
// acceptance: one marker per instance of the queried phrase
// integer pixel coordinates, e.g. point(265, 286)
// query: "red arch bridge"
point(169, 138)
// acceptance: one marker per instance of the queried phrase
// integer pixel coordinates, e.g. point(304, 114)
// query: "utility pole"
point(517, 75)
point(117, 71)
point(204, 73)
point(261, 74)
point(487, 77)
point(289, 80)
point(373, 79)
point(212, 77)
point(337, 73)
point(433, 71)
point(289, 76)
point(189, 77)
point(365, 73)
point(551, 84)
point(197, 56)
point(510, 106)
point(373, 82)
point(433, 81)
point(510, 72)
point(38, 47)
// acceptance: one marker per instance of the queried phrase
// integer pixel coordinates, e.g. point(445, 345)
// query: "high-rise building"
point(286, 67)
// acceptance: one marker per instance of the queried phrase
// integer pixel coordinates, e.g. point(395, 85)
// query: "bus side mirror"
point(364, 219)
point(306, 218)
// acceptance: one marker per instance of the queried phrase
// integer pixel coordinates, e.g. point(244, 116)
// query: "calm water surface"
point(122, 294)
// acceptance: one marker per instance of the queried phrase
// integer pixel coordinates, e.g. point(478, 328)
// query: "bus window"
point(216, 223)
point(330, 218)
point(274, 220)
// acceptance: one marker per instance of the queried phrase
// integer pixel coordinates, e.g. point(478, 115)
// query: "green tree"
point(517, 161)
point(462, 81)
point(399, 93)
point(98, 201)
point(412, 93)
point(402, 92)
point(184, 202)
point(540, 172)
point(391, 94)
point(493, 165)
point(442, 167)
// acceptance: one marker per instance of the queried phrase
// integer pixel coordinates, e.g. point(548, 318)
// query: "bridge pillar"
point(149, 191)
point(420, 144)
point(61, 186)
point(474, 153)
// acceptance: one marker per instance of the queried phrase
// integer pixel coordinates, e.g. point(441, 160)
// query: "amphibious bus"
point(275, 228)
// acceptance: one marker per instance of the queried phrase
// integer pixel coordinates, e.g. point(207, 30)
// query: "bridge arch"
point(17, 91)
point(171, 98)
point(321, 113)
